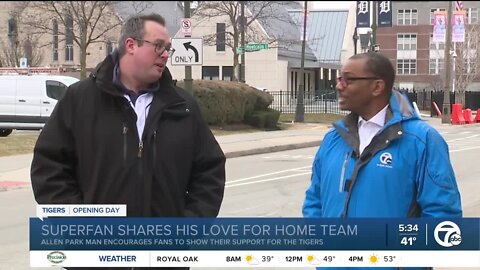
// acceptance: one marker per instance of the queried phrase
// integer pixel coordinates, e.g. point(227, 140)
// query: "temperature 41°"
point(408, 240)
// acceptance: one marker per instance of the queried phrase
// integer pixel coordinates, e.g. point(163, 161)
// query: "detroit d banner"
point(363, 13)
point(384, 13)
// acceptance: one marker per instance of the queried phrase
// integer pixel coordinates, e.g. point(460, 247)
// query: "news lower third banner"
point(262, 242)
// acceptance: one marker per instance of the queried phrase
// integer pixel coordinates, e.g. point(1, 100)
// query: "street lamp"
point(446, 110)
point(454, 56)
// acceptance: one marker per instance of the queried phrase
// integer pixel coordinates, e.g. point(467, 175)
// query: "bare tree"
point(19, 43)
point(84, 22)
point(436, 82)
point(467, 62)
point(261, 11)
point(27, 47)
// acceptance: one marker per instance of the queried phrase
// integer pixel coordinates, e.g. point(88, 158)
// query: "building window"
point(28, 50)
point(436, 45)
point(210, 73)
point(407, 17)
point(12, 29)
point(55, 40)
point(472, 41)
point(68, 38)
point(69, 52)
point(432, 13)
point(406, 66)
point(291, 83)
point(407, 42)
point(472, 15)
point(307, 84)
point(108, 47)
point(227, 73)
point(469, 65)
point(436, 66)
point(220, 37)
point(296, 83)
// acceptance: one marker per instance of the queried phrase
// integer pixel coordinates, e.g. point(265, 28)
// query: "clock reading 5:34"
point(408, 227)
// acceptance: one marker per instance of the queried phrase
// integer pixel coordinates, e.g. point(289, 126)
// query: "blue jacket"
point(404, 172)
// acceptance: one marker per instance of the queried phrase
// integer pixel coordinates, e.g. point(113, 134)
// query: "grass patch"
point(23, 143)
point(312, 117)
point(17, 144)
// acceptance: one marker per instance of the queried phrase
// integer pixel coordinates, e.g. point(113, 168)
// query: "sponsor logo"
point(385, 160)
point(56, 257)
point(451, 234)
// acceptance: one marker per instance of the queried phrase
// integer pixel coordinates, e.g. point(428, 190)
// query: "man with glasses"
point(381, 160)
point(127, 135)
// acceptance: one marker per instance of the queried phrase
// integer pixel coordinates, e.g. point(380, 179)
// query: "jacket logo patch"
point(385, 160)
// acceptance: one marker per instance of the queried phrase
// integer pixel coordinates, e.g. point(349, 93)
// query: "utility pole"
point(300, 111)
point(243, 24)
point(448, 67)
point(374, 26)
point(188, 69)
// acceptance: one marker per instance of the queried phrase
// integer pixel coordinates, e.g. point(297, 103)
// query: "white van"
point(26, 101)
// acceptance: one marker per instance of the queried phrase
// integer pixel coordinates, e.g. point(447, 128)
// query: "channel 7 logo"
point(451, 234)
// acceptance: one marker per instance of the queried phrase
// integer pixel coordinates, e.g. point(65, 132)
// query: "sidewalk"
point(300, 135)
point(15, 170)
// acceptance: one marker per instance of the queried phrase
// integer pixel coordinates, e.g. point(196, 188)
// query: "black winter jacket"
point(89, 152)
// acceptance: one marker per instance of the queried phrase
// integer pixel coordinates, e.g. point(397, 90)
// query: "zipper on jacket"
point(140, 149)
point(141, 178)
point(342, 174)
point(125, 129)
point(154, 148)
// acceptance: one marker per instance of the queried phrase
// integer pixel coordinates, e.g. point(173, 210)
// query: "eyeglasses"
point(345, 81)
point(159, 48)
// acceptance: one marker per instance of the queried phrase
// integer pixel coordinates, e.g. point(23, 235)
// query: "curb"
point(272, 149)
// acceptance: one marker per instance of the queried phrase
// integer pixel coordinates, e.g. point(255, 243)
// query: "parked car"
point(26, 101)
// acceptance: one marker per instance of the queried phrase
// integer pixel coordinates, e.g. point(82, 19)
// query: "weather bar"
point(227, 259)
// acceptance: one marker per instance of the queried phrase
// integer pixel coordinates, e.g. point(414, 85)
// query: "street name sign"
point(252, 47)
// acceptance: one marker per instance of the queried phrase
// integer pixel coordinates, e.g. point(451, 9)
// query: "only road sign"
point(188, 51)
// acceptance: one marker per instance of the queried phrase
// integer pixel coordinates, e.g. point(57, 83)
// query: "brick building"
point(419, 61)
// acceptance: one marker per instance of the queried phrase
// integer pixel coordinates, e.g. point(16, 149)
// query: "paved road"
point(268, 185)
point(274, 184)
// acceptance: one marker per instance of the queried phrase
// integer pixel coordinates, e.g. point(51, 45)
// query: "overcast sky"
point(333, 4)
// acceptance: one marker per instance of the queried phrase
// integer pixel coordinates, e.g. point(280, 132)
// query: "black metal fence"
point(425, 100)
point(325, 101)
point(321, 102)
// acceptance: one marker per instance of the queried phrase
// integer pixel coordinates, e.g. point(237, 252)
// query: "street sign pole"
point(243, 24)
point(188, 69)
point(300, 110)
